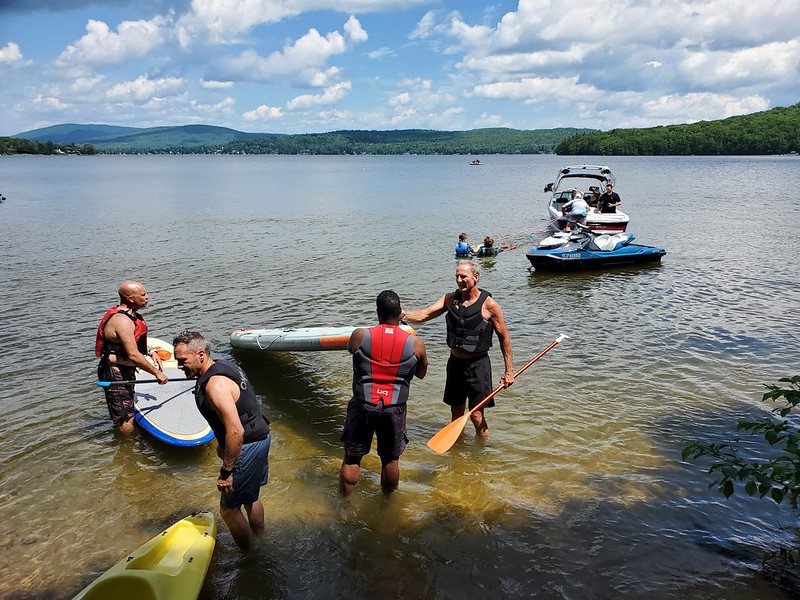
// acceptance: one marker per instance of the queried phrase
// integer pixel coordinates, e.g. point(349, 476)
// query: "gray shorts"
point(250, 472)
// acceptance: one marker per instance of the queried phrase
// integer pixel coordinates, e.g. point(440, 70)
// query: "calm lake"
point(579, 493)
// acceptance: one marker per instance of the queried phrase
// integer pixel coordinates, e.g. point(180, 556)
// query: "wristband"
point(224, 473)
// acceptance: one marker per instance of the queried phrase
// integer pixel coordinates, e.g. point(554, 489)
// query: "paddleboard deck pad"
point(296, 340)
point(169, 412)
point(171, 565)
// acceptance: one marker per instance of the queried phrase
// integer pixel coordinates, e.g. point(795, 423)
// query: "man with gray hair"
point(227, 401)
point(473, 316)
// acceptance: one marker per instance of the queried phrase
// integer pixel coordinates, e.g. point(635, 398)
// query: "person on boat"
point(121, 346)
point(473, 317)
point(463, 249)
point(576, 209)
point(227, 401)
point(609, 200)
point(592, 198)
point(488, 248)
point(385, 360)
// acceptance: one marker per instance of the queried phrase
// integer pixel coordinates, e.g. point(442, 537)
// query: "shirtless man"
point(473, 316)
point(121, 346)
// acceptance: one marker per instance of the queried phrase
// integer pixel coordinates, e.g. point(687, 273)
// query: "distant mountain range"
point(212, 139)
point(114, 137)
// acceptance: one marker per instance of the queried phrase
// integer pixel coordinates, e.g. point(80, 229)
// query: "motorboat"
point(588, 179)
point(585, 249)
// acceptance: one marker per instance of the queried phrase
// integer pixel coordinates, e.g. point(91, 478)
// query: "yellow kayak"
point(170, 566)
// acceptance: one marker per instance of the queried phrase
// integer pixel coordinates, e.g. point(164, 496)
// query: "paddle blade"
point(448, 435)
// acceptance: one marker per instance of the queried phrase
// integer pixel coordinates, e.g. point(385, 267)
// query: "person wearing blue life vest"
point(473, 317)
point(463, 249)
point(227, 401)
point(385, 360)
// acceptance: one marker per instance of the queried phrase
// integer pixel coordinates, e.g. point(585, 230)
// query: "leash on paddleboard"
point(449, 434)
point(137, 381)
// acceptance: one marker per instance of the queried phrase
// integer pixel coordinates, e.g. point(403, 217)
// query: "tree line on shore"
point(775, 131)
point(10, 145)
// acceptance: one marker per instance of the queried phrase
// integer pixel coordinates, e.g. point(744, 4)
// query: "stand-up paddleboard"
point(171, 565)
point(169, 412)
point(296, 340)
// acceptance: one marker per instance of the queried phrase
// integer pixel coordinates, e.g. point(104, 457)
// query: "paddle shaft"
point(135, 381)
point(499, 388)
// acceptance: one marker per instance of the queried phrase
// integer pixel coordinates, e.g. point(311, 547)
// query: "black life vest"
point(103, 348)
point(256, 425)
point(383, 365)
point(466, 327)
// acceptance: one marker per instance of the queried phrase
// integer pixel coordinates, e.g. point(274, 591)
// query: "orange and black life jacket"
point(104, 348)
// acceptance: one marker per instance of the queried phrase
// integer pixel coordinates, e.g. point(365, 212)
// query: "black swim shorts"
point(468, 378)
point(387, 423)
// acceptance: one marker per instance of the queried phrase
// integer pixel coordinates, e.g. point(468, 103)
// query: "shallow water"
point(579, 492)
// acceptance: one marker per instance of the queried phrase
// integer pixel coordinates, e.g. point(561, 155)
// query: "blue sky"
point(299, 66)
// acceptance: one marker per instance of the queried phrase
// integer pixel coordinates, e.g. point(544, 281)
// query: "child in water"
point(463, 249)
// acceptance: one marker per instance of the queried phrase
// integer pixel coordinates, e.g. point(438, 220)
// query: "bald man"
point(121, 346)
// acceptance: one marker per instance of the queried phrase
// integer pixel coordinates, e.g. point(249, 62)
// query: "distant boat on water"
point(475, 162)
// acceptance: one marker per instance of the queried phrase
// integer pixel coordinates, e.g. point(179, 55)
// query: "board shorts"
point(387, 423)
point(118, 397)
point(250, 472)
point(468, 378)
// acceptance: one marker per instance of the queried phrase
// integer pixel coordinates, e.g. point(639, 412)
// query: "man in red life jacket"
point(121, 346)
point(472, 317)
point(385, 360)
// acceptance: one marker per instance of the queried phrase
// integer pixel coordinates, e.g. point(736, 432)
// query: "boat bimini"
point(587, 178)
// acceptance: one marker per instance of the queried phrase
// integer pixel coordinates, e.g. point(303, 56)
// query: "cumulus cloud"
point(10, 55)
point(263, 113)
point(304, 57)
point(145, 89)
point(101, 46)
point(216, 85)
point(702, 106)
point(777, 61)
point(537, 89)
point(331, 95)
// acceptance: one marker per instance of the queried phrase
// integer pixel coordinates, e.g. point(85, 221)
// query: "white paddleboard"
point(300, 339)
point(169, 412)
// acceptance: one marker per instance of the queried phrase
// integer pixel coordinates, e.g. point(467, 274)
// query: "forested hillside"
point(9, 145)
point(775, 131)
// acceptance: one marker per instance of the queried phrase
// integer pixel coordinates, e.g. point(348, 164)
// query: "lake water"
point(579, 491)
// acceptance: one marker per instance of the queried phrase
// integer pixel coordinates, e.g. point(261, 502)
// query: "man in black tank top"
point(472, 317)
point(226, 400)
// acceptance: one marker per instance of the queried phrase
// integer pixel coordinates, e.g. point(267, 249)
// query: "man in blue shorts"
point(385, 360)
point(473, 316)
point(227, 401)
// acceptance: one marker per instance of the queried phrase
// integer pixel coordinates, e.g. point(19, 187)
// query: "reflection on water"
point(579, 491)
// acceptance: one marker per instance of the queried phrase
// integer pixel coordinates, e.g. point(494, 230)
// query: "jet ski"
point(584, 249)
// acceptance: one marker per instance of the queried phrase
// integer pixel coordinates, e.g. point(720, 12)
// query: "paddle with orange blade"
point(449, 434)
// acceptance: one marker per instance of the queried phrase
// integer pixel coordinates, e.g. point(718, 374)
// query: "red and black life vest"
point(384, 365)
point(466, 327)
point(103, 348)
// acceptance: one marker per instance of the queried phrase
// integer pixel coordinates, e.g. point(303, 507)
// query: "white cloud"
point(263, 113)
point(101, 46)
point(145, 89)
point(49, 103)
point(354, 31)
point(10, 55)
point(778, 61)
point(331, 95)
point(537, 89)
point(701, 106)
point(302, 58)
point(381, 52)
point(216, 85)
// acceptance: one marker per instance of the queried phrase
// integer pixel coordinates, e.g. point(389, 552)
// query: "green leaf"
point(751, 488)
point(777, 495)
point(727, 488)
